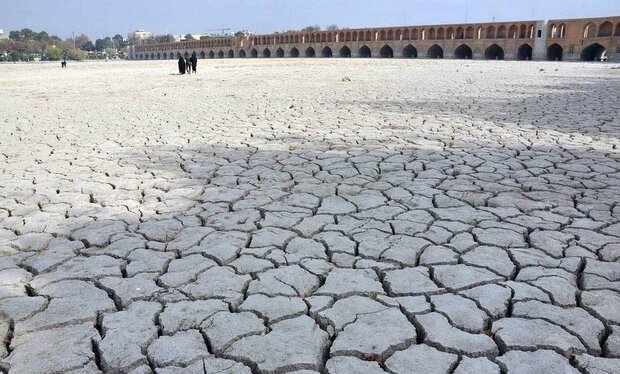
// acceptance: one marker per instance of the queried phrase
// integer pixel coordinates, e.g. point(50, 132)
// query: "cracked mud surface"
point(268, 217)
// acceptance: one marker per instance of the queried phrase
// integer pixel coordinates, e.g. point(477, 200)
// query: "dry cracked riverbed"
point(271, 217)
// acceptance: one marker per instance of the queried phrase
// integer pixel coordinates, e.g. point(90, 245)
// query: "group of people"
point(188, 64)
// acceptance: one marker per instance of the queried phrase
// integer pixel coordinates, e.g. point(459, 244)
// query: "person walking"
point(194, 61)
point(181, 65)
point(188, 65)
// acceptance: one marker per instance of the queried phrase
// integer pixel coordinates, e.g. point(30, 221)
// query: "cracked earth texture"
point(271, 217)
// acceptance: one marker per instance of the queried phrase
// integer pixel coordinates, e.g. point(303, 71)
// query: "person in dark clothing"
point(188, 65)
point(181, 65)
point(63, 64)
point(194, 61)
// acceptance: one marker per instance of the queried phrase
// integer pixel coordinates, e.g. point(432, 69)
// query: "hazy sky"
point(99, 18)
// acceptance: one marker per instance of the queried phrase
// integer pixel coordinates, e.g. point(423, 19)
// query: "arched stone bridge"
point(580, 39)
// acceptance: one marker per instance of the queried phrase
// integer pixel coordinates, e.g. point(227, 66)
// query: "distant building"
point(2, 36)
point(139, 35)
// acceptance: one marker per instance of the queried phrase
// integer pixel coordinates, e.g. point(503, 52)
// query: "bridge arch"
point(386, 52)
point(469, 33)
point(450, 33)
point(171, 55)
point(279, 53)
point(203, 55)
point(501, 32)
point(410, 52)
point(365, 52)
point(211, 54)
point(593, 52)
point(555, 52)
point(310, 52)
point(605, 29)
point(589, 31)
point(617, 33)
point(254, 53)
point(513, 32)
point(463, 52)
point(345, 52)
point(326, 52)
point(242, 53)
point(231, 54)
point(294, 52)
point(553, 31)
point(435, 51)
point(523, 31)
point(494, 52)
point(524, 52)
point(266, 53)
point(491, 32)
point(220, 54)
point(441, 34)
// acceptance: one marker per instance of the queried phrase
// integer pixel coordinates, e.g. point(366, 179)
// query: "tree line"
point(29, 45)
point(316, 28)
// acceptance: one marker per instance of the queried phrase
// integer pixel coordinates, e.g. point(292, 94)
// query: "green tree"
point(77, 54)
point(42, 36)
point(112, 52)
point(169, 38)
point(81, 40)
point(88, 46)
point(28, 34)
point(15, 35)
point(119, 41)
point(53, 53)
point(311, 28)
point(100, 44)
point(189, 37)
point(65, 45)
point(15, 56)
